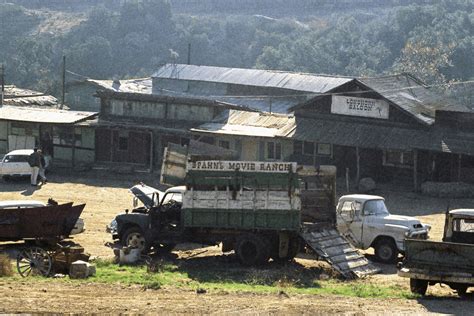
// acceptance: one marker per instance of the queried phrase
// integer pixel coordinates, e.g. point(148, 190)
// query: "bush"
point(6, 268)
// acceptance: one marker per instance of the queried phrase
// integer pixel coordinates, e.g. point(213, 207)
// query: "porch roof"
point(43, 115)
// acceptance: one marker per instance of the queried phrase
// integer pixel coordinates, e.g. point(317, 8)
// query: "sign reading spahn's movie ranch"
point(243, 166)
point(359, 107)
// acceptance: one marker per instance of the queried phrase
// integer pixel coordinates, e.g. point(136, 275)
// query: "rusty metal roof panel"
point(25, 97)
point(234, 122)
point(411, 95)
point(41, 115)
point(252, 77)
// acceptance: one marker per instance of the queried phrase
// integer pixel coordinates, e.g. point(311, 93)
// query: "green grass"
point(291, 279)
point(214, 275)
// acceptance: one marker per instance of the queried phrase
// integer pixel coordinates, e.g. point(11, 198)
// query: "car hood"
point(408, 221)
point(149, 196)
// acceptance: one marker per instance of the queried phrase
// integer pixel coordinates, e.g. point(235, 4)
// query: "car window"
point(463, 225)
point(178, 197)
point(346, 211)
point(15, 158)
point(375, 207)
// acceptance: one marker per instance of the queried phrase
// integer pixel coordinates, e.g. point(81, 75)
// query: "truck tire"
point(135, 238)
point(418, 286)
point(252, 250)
point(293, 250)
point(386, 251)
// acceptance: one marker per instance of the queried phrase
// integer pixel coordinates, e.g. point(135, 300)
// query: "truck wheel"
point(293, 250)
point(418, 286)
point(386, 251)
point(135, 238)
point(252, 250)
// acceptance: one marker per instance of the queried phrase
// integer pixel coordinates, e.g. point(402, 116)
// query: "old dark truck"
point(449, 262)
point(253, 208)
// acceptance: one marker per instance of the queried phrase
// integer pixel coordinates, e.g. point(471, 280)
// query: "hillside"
point(130, 38)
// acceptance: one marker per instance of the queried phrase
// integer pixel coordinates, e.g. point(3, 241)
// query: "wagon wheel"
point(34, 261)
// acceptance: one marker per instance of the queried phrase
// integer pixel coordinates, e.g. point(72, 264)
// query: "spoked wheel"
point(34, 261)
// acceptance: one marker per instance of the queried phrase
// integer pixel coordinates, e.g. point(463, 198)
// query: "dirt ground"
point(106, 196)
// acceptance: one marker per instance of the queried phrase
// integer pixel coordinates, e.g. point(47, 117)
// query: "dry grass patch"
point(6, 268)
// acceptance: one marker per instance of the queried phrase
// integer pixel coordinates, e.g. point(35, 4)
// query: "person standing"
point(43, 166)
point(34, 160)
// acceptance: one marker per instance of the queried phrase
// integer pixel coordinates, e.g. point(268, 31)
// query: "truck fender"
point(125, 221)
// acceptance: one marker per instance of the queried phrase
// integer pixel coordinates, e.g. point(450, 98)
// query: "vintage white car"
point(15, 163)
point(366, 222)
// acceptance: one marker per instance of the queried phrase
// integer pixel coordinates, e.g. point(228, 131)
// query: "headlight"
point(112, 227)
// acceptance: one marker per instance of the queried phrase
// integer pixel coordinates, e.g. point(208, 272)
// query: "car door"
point(349, 221)
point(23, 166)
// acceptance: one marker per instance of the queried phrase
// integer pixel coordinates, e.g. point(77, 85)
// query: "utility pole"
point(63, 81)
point(2, 79)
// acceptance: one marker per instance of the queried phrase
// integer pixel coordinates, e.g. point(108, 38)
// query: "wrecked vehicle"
point(366, 222)
point(449, 262)
point(44, 228)
point(132, 228)
point(11, 217)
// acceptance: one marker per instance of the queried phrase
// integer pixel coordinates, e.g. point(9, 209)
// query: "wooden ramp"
point(330, 246)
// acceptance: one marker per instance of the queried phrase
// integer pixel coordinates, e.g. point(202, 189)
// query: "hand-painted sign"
point(359, 107)
point(243, 166)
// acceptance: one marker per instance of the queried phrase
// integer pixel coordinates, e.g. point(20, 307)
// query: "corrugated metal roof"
point(278, 104)
point(252, 77)
point(411, 95)
point(234, 122)
point(141, 85)
point(25, 97)
point(39, 115)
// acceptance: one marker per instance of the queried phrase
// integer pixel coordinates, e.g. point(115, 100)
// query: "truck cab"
point(366, 222)
point(159, 212)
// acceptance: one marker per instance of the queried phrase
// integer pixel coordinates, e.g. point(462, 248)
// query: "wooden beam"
point(358, 167)
point(415, 170)
point(459, 167)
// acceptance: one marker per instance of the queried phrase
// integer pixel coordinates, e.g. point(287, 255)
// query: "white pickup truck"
point(366, 222)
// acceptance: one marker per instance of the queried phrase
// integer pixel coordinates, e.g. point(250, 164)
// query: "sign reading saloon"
point(243, 166)
point(359, 107)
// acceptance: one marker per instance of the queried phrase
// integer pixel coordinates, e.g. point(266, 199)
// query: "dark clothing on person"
point(35, 159)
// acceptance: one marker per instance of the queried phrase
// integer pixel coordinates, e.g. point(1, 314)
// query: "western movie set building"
point(387, 128)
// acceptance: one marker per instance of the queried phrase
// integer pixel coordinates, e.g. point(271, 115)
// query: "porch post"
point(415, 169)
point(358, 166)
point(459, 167)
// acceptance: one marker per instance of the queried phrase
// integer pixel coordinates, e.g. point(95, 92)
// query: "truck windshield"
point(375, 207)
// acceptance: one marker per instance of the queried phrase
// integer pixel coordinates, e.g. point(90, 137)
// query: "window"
point(308, 148)
point(403, 159)
point(224, 144)
point(123, 143)
point(375, 207)
point(208, 140)
point(463, 225)
point(324, 149)
point(273, 150)
point(67, 136)
point(16, 158)
point(297, 147)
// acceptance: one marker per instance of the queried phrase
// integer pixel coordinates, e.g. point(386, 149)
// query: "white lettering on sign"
point(243, 166)
point(359, 107)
